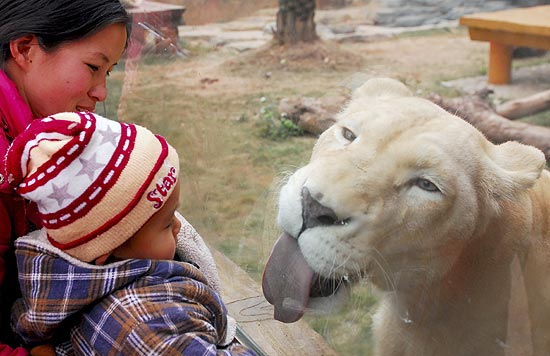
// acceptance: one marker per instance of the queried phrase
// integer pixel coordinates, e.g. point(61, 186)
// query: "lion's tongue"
point(287, 280)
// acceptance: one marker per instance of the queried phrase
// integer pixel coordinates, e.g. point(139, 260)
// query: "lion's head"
point(393, 192)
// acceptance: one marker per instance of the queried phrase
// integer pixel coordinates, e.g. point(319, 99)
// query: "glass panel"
point(217, 93)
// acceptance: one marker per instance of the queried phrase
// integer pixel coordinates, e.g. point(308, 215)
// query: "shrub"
point(274, 125)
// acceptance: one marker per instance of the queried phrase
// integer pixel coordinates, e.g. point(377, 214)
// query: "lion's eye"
point(348, 134)
point(426, 185)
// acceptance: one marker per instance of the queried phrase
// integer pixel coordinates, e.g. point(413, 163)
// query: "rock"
point(411, 13)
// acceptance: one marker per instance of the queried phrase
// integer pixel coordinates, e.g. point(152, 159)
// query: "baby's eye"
point(93, 68)
point(348, 134)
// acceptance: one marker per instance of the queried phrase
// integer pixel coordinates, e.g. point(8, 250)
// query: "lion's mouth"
point(289, 282)
point(325, 287)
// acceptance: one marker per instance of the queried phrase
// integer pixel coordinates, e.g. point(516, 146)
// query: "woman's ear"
point(22, 48)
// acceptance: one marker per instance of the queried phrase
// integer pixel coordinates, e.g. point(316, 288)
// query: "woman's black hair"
point(55, 22)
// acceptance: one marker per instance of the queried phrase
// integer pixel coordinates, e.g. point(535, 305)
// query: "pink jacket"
point(5, 350)
point(16, 215)
point(15, 115)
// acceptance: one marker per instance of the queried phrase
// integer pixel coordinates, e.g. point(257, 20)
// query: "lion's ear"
point(380, 87)
point(514, 168)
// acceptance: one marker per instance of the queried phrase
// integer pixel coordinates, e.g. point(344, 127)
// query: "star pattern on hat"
point(109, 136)
point(89, 166)
point(60, 194)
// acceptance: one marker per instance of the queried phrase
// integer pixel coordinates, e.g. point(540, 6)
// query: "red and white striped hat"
point(95, 181)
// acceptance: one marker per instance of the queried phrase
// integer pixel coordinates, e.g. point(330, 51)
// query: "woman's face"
point(72, 77)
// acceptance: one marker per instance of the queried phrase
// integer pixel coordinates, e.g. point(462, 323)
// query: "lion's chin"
point(331, 303)
point(290, 284)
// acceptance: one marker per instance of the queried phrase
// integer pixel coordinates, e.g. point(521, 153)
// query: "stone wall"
point(406, 13)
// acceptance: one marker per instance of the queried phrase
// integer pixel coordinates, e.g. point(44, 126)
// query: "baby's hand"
point(43, 350)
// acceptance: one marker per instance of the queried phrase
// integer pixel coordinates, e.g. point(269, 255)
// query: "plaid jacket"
point(132, 307)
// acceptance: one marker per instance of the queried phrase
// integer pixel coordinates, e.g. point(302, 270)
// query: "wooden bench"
point(524, 27)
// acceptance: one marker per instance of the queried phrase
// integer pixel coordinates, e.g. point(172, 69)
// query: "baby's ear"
point(513, 167)
point(100, 261)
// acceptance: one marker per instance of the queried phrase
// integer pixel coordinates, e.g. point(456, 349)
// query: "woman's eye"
point(426, 185)
point(348, 134)
point(93, 68)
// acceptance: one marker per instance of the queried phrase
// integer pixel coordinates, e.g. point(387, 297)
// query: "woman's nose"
point(99, 92)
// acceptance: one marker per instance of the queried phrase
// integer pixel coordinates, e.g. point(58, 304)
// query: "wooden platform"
point(246, 303)
point(525, 27)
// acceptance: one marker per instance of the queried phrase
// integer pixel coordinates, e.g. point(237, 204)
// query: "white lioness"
point(453, 229)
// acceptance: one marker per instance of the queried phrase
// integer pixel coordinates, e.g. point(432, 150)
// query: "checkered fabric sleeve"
point(136, 307)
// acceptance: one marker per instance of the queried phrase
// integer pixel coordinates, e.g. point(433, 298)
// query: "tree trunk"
point(295, 22)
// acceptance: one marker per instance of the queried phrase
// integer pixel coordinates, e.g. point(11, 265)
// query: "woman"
point(54, 57)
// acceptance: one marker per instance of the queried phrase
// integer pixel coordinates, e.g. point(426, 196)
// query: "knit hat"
point(96, 181)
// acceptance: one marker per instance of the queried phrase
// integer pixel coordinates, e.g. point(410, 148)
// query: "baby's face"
point(157, 238)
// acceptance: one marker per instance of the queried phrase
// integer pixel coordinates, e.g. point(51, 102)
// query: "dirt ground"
point(440, 59)
point(419, 61)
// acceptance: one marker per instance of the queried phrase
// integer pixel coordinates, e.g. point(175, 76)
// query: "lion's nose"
point(314, 213)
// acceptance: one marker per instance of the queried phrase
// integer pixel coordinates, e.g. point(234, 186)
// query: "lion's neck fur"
point(472, 301)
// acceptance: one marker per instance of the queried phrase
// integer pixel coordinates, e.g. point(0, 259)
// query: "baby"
point(100, 277)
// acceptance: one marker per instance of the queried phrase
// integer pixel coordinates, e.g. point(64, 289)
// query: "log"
point(515, 109)
point(313, 115)
point(495, 127)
